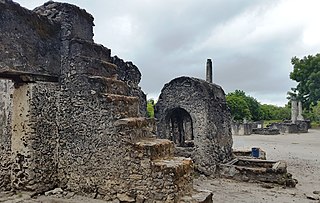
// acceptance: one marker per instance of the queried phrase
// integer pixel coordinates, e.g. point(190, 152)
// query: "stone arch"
point(180, 127)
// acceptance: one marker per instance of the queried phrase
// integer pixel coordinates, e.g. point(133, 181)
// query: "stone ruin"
point(73, 116)
point(297, 124)
point(193, 113)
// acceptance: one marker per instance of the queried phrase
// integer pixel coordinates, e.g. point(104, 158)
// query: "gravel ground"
point(302, 153)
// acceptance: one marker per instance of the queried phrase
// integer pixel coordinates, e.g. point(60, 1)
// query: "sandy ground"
point(302, 153)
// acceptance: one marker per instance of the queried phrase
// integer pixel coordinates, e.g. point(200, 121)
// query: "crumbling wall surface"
point(130, 74)
point(28, 42)
point(205, 102)
point(34, 137)
point(66, 135)
point(5, 133)
point(74, 21)
point(95, 158)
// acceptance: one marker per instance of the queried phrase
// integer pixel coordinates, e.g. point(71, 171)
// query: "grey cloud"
point(170, 38)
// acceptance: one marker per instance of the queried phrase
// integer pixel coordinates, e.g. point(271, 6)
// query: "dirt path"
point(302, 153)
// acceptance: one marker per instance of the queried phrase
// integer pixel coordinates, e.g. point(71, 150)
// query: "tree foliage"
point(238, 107)
point(243, 106)
point(272, 112)
point(150, 108)
point(306, 72)
point(314, 113)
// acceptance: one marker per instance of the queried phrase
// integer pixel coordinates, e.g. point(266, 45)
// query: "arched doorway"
point(180, 127)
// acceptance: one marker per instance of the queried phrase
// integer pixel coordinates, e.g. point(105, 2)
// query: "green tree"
point(314, 113)
point(244, 106)
point(272, 112)
point(238, 107)
point(252, 104)
point(284, 113)
point(254, 107)
point(306, 72)
point(150, 108)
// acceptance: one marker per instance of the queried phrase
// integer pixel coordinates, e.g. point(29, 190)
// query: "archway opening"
point(180, 127)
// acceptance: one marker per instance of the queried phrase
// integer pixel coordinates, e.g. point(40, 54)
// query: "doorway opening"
point(181, 127)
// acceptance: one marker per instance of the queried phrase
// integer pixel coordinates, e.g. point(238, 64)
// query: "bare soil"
point(302, 154)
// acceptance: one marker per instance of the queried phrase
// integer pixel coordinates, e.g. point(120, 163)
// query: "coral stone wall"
point(205, 102)
point(28, 42)
point(76, 114)
point(5, 133)
point(34, 136)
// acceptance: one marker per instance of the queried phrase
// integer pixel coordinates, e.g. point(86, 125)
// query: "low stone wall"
point(241, 128)
point(265, 131)
point(288, 127)
point(256, 170)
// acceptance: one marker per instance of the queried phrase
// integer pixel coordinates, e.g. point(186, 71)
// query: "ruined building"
point(73, 115)
point(193, 113)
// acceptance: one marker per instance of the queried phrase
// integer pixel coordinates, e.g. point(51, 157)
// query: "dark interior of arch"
point(180, 127)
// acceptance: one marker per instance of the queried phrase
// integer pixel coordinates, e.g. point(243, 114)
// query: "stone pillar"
point(294, 110)
point(300, 117)
point(209, 71)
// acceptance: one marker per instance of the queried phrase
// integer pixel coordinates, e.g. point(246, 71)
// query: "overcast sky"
point(251, 42)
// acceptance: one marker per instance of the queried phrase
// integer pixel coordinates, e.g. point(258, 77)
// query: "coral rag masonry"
point(193, 113)
point(73, 116)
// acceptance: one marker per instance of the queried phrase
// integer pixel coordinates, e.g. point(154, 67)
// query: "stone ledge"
point(121, 98)
point(137, 122)
point(177, 166)
point(155, 148)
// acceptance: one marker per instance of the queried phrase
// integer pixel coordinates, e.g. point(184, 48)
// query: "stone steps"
point(109, 85)
point(167, 174)
point(97, 67)
point(179, 166)
point(176, 175)
point(136, 128)
point(137, 122)
point(122, 106)
point(155, 148)
point(81, 47)
point(117, 98)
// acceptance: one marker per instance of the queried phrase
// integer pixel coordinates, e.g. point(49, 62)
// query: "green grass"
point(315, 124)
point(265, 123)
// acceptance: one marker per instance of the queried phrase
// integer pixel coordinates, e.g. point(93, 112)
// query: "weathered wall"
point(34, 137)
point(28, 42)
point(74, 22)
point(205, 102)
point(5, 133)
point(65, 133)
point(130, 73)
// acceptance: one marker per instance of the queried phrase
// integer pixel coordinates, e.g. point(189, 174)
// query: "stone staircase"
point(157, 175)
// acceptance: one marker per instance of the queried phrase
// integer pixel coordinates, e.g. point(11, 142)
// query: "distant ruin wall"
point(241, 128)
